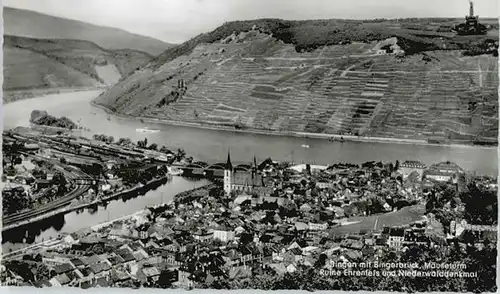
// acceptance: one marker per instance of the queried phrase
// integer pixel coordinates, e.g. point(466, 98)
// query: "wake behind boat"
point(146, 130)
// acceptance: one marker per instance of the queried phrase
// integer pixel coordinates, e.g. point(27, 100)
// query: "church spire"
point(229, 166)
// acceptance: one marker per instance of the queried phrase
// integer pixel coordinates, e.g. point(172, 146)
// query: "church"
point(240, 180)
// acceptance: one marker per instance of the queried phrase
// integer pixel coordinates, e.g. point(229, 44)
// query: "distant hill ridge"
point(414, 35)
point(51, 64)
point(25, 23)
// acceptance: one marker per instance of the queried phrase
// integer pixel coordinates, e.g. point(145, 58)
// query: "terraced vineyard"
point(253, 80)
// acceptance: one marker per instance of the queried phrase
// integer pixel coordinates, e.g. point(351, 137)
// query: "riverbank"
point(10, 96)
point(337, 138)
point(56, 241)
point(151, 185)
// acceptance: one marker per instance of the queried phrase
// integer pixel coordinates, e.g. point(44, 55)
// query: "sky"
point(176, 21)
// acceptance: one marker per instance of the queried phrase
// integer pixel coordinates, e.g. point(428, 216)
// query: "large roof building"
point(240, 180)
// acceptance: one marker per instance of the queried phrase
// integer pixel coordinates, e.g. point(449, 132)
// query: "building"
point(396, 238)
point(409, 166)
point(223, 234)
point(444, 172)
point(471, 26)
point(241, 181)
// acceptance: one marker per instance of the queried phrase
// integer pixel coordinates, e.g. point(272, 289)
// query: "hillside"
point(408, 79)
point(25, 23)
point(34, 64)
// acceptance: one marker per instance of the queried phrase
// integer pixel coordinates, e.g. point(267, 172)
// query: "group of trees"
point(476, 204)
point(41, 117)
point(104, 138)
point(15, 200)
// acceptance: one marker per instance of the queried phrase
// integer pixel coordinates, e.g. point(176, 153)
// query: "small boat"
point(305, 146)
point(175, 171)
point(146, 130)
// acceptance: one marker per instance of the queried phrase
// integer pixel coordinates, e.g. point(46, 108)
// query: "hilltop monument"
point(471, 26)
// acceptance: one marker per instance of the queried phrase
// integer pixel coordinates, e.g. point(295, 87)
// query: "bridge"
point(203, 169)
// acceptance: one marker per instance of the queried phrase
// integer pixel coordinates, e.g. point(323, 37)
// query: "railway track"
point(83, 184)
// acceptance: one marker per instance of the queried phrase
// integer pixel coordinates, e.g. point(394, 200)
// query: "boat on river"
point(305, 146)
point(175, 171)
point(146, 130)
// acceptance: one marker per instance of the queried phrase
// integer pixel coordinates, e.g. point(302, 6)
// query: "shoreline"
point(347, 138)
point(94, 228)
point(21, 95)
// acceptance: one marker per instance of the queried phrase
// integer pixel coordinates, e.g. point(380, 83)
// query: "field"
point(31, 64)
point(256, 81)
point(401, 217)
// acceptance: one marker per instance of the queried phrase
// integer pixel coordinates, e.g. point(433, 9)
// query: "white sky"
point(178, 20)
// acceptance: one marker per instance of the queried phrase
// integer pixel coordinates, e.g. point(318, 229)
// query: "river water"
point(212, 146)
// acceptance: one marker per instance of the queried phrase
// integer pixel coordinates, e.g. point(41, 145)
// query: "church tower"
point(228, 175)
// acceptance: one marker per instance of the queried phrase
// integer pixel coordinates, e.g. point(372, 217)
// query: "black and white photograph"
point(250, 145)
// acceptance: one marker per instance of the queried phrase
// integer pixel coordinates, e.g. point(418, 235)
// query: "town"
point(260, 225)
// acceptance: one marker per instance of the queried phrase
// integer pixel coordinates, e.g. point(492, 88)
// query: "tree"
point(164, 149)
point(153, 146)
point(59, 180)
point(124, 141)
point(180, 154)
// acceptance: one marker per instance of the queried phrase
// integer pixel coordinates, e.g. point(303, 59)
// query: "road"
point(25, 217)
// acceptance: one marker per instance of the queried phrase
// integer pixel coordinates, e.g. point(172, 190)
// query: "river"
point(212, 146)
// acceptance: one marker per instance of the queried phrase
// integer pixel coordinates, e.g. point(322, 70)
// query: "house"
point(246, 254)
point(119, 276)
point(63, 268)
point(410, 166)
point(59, 280)
point(171, 245)
point(396, 237)
point(140, 255)
point(42, 184)
point(324, 185)
point(184, 280)
point(224, 234)
point(444, 172)
point(100, 269)
point(126, 255)
point(116, 260)
point(55, 260)
point(90, 260)
point(151, 273)
point(240, 272)
point(293, 255)
point(352, 255)
point(203, 236)
point(318, 226)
